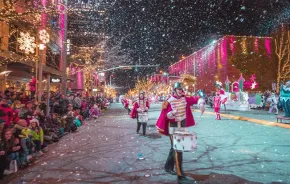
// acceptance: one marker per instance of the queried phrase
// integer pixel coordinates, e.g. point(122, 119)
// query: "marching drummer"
point(140, 111)
point(176, 112)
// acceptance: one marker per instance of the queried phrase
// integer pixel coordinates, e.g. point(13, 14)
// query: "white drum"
point(143, 117)
point(184, 141)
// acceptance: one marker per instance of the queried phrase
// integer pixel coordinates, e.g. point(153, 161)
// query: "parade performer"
point(140, 111)
point(273, 104)
point(217, 105)
point(224, 97)
point(125, 102)
point(176, 112)
point(285, 98)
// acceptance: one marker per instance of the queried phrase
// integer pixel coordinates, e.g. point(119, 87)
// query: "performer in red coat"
point(140, 112)
point(176, 109)
point(217, 105)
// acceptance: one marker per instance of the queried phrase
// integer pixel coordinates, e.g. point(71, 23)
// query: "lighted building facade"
point(229, 57)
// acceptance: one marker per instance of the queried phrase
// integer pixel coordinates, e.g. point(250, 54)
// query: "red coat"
point(6, 115)
point(32, 84)
point(15, 115)
point(134, 112)
point(126, 103)
point(163, 121)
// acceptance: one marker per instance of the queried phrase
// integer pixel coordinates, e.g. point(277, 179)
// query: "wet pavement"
point(108, 150)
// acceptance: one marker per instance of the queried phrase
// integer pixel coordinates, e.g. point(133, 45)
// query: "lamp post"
point(40, 70)
point(44, 39)
point(194, 73)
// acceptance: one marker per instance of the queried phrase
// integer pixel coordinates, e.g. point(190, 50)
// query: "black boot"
point(185, 180)
point(181, 177)
point(144, 125)
point(169, 165)
point(138, 127)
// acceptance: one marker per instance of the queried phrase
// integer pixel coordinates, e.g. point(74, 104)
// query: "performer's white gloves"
point(171, 114)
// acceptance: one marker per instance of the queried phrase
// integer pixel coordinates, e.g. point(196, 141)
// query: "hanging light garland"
point(244, 46)
point(26, 43)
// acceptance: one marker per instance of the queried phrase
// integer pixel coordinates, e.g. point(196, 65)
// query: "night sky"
point(161, 31)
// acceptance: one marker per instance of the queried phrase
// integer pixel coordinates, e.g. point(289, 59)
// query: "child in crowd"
point(27, 148)
point(69, 120)
point(78, 117)
point(37, 137)
point(9, 152)
point(94, 111)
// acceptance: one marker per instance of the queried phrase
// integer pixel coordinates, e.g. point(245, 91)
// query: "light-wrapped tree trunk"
point(282, 48)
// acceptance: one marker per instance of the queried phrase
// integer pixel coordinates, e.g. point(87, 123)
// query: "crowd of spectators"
point(26, 129)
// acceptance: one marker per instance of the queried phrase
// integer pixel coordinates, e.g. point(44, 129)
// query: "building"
point(229, 57)
point(87, 31)
point(33, 43)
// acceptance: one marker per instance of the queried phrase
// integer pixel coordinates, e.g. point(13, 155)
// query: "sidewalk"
point(254, 116)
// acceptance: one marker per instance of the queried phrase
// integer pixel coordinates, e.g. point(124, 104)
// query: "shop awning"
point(27, 61)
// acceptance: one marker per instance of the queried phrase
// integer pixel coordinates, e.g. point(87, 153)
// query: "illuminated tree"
point(282, 50)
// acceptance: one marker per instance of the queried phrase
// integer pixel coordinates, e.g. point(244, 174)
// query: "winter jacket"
point(37, 135)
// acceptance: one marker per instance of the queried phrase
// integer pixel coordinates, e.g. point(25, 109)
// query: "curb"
point(258, 121)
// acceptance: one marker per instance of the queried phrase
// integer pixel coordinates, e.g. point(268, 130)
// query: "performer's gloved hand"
point(139, 110)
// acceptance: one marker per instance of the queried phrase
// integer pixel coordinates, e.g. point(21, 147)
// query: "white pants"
point(273, 107)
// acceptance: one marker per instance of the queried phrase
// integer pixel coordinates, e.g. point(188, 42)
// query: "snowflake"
point(26, 43)
point(44, 36)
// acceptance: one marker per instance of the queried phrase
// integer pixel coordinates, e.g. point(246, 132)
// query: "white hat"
point(34, 121)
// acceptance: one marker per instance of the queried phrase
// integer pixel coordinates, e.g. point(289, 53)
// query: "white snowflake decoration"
point(26, 43)
point(253, 85)
point(44, 36)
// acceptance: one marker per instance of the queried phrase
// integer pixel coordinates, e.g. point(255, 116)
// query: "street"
point(107, 151)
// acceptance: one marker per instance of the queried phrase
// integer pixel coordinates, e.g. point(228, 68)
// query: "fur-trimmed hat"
point(34, 121)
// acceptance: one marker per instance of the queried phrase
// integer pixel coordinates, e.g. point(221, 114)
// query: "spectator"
point(16, 107)
point(27, 148)
point(27, 111)
point(6, 113)
point(37, 136)
point(9, 149)
point(63, 104)
point(77, 102)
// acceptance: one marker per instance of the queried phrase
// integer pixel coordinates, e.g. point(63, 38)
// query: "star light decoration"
point(26, 43)
point(44, 36)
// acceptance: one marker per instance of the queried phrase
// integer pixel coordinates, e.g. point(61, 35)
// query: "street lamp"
point(44, 39)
